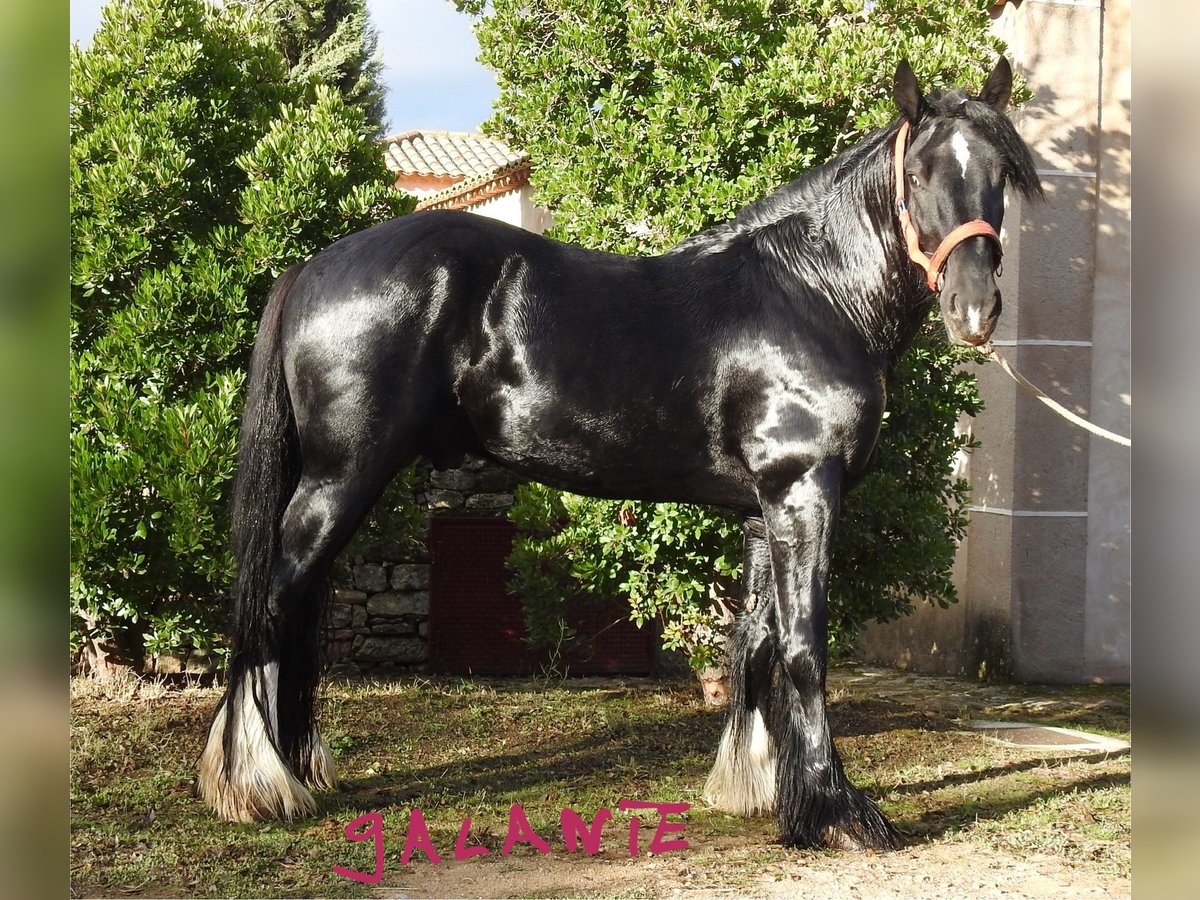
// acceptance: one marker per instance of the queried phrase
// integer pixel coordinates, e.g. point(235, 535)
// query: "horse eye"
point(913, 180)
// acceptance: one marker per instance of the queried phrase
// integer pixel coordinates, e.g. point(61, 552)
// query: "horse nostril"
point(954, 303)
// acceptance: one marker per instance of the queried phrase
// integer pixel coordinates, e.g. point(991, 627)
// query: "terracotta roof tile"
point(449, 153)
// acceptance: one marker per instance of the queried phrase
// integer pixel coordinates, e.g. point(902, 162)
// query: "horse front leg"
point(815, 803)
point(742, 780)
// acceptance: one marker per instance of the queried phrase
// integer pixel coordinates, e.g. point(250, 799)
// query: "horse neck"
point(839, 241)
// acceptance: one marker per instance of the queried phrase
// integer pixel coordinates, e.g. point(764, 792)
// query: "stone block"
point(385, 604)
point(392, 649)
point(370, 577)
point(359, 618)
point(165, 664)
point(340, 615)
point(489, 502)
point(438, 499)
point(1049, 585)
point(416, 603)
point(392, 605)
point(344, 669)
point(410, 577)
point(1057, 263)
point(397, 626)
point(453, 480)
point(200, 662)
point(342, 595)
point(1050, 462)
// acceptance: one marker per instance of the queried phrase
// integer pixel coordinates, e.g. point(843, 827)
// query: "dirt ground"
point(932, 872)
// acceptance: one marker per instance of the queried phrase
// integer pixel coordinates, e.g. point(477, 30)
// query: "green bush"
point(667, 558)
point(649, 120)
point(198, 173)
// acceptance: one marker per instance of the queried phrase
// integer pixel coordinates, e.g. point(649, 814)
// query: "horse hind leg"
point(742, 780)
point(263, 743)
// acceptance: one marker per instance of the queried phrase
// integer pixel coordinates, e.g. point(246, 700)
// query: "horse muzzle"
point(970, 318)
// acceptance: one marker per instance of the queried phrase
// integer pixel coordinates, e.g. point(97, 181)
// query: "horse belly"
point(632, 450)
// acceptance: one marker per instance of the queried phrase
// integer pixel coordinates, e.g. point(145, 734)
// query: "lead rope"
point(1057, 407)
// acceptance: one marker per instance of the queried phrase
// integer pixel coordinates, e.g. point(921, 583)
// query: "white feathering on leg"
point(760, 741)
point(258, 784)
point(322, 772)
point(761, 766)
point(718, 789)
point(742, 780)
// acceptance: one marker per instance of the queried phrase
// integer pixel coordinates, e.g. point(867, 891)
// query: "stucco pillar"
point(1043, 575)
point(1063, 495)
point(1106, 635)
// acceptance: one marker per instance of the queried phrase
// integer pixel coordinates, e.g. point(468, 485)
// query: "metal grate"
point(475, 626)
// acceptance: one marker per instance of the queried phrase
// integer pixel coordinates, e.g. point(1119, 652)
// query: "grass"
point(455, 747)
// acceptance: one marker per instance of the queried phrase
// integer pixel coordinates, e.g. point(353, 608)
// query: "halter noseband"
point(934, 265)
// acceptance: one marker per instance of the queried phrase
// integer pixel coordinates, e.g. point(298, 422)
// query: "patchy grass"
point(458, 747)
point(955, 786)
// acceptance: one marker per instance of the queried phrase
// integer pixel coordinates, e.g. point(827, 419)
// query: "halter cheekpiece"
point(934, 266)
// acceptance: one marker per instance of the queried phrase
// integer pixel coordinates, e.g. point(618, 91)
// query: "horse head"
point(954, 155)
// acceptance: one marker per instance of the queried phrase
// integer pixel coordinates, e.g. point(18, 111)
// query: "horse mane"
point(807, 201)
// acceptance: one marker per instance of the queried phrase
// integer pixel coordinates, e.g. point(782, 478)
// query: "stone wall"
point(379, 618)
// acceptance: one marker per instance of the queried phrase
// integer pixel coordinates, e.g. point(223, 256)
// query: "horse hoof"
point(862, 828)
point(857, 838)
point(263, 796)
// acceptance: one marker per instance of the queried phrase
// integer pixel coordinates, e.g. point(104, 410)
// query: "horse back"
point(596, 372)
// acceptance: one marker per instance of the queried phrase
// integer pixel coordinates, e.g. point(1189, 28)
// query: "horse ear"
point(998, 87)
point(905, 92)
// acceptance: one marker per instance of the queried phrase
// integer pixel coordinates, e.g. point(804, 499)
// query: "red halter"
point(934, 265)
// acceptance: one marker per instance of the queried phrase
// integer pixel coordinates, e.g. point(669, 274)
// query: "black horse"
point(747, 368)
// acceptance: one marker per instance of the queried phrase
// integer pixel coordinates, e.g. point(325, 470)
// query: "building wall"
point(1043, 576)
point(516, 208)
point(379, 620)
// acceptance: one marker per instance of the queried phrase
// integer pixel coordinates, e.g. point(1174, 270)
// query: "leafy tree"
point(649, 120)
point(198, 172)
point(331, 42)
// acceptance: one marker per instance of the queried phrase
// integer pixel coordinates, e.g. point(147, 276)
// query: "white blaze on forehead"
point(961, 151)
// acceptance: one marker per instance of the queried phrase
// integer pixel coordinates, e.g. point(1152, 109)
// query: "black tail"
point(282, 627)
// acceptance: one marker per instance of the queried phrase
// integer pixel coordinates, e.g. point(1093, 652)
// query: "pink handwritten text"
point(575, 830)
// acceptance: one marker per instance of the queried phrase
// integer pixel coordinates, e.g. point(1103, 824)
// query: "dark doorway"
point(477, 627)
